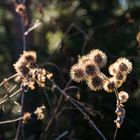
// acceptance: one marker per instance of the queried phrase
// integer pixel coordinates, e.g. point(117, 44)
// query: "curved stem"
point(11, 121)
point(77, 106)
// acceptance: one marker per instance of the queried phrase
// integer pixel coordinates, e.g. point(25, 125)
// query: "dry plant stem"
point(118, 102)
point(70, 87)
point(73, 25)
point(95, 27)
point(12, 88)
point(11, 121)
point(69, 82)
point(23, 37)
point(61, 135)
point(78, 102)
point(77, 106)
point(47, 98)
point(88, 118)
point(9, 92)
point(56, 111)
point(60, 112)
point(36, 24)
point(9, 78)
point(20, 125)
point(115, 134)
point(116, 93)
point(9, 97)
point(53, 116)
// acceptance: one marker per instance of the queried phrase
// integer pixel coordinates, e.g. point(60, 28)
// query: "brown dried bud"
point(123, 96)
point(20, 9)
point(26, 117)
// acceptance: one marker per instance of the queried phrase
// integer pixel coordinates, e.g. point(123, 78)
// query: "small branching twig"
point(35, 25)
point(9, 92)
point(88, 69)
point(53, 115)
point(77, 106)
point(10, 97)
point(7, 79)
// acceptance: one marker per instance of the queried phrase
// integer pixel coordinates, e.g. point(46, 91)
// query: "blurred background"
point(70, 28)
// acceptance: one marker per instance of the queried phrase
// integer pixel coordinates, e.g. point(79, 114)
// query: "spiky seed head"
point(98, 57)
point(90, 68)
point(83, 59)
point(113, 69)
point(120, 76)
point(77, 73)
point(124, 65)
point(96, 82)
point(123, 96)
point(29, 55)
point(111, 84)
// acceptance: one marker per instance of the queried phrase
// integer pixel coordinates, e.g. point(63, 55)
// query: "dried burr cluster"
point(39, 112)
point(28, 74)
point(88, 69)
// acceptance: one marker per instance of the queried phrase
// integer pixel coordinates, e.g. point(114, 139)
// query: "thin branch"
point(53, 115)
point(117, 104)
point(70, 87)
point(69, 82)
point(11, 121)
point(115, 134)
point(20, 126)
point(61, 135)
point(35, 25)
point(7, 79)
point(47, 97)
point(23, 36)
point(77, 106)
point(10, 97)
point(9, 92)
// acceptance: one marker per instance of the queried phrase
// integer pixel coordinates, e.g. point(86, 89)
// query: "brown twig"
point(77, 106)
point(53, 115)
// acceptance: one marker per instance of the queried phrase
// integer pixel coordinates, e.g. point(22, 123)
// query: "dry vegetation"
point(73, 70)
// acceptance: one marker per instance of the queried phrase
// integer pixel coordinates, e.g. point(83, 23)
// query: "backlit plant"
point(88, 69)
